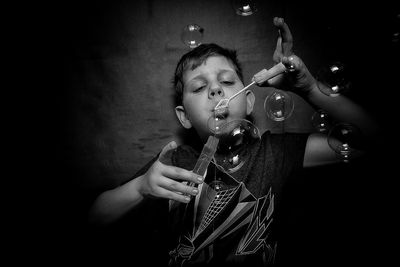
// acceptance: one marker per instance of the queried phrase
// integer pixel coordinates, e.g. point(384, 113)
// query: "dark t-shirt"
point(233, 220)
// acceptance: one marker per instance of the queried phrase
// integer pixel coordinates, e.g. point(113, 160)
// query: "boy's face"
point(204, 87)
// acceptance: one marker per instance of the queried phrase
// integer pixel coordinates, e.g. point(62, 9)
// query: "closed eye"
point(228, 82)
point(198, 89)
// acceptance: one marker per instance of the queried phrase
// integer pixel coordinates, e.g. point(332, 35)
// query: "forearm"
point(343, 109)
point(113, 204)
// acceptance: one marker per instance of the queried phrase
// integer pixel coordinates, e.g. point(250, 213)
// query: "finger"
point(286, 35)
point(181, 174)
point(180, 188)
point(174, 195)
point(278, 50)
point(170, 146)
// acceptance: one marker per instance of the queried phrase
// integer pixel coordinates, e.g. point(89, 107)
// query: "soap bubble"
point(234, 136)
point(334, 78)
point(321, 121)
point(345, 139)
point(192, 35)
point(244, 7)
point(279, 105)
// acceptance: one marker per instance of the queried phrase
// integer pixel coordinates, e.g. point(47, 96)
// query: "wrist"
point(312, 89)
point(136, 189)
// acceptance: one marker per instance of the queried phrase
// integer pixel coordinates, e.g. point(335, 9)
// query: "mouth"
point(221, 113)
point(218, 118)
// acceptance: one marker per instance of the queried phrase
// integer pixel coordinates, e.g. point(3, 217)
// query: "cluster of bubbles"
point(278, 106)
point(343, 138)
point(333, 80)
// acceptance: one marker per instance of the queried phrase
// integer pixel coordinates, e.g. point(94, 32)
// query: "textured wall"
point(120, 57)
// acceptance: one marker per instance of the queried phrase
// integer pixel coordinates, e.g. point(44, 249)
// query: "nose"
point(216, 91)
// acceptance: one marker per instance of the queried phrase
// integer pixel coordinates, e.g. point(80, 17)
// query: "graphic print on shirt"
point(218, 213)
point(257, 233)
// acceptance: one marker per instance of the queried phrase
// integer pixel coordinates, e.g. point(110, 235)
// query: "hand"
point(164, 181)
point(297, 77)
point(284, 43)
point(284, 46)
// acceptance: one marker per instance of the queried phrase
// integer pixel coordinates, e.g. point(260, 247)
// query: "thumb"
point(163, 155)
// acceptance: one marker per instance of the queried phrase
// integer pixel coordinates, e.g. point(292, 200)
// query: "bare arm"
point(343, 109)
point(340, 108)
point(113, 204)
point(302, 82)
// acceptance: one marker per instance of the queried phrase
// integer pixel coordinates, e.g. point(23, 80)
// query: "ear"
point(250, 101)
point(182, 117)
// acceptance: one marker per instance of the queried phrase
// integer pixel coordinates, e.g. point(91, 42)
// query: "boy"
point(234, 225)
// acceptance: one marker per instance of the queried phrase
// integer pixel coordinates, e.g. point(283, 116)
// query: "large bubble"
point(234, 137)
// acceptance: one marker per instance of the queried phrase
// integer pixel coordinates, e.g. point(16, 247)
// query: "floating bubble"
point(345, 139)
point(334, 78)
point(279, 105)
point(321, 121)
point(234, 138)
point(243, 7)
point(192, 35)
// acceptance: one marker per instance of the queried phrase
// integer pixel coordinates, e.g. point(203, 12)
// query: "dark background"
point(97, 106)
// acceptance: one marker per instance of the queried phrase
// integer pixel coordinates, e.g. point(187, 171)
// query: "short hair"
point(195, 58)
